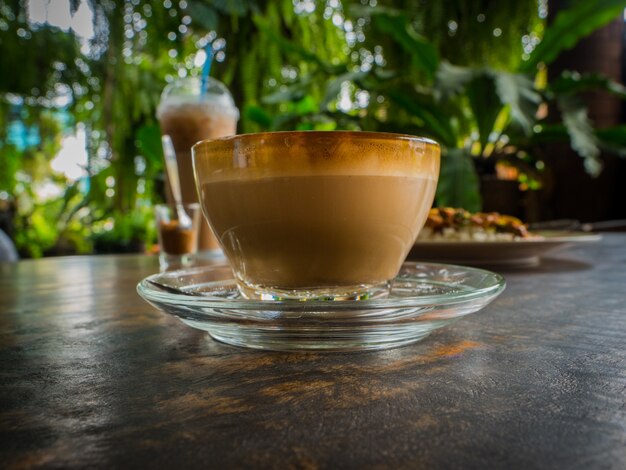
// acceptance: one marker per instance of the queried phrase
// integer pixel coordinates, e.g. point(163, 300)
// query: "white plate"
point(525, 252)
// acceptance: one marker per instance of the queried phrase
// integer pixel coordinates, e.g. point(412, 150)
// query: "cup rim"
point(360, 134)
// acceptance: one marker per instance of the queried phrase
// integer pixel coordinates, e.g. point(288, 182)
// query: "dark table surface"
point(92, 376)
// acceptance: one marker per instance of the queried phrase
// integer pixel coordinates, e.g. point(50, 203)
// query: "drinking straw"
point(206, 68)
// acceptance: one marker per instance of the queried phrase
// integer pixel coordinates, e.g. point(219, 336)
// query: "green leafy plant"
point(289, 66)
point(125, 233)
point(480, 115)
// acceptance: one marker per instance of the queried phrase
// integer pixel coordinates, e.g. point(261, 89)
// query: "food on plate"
point(448, 223)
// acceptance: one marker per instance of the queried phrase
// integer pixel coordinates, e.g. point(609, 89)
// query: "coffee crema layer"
point(316, 153)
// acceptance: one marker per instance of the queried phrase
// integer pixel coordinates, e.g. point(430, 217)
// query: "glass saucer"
point(422, 298)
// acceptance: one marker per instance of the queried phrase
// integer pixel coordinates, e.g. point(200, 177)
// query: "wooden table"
point(91, 376)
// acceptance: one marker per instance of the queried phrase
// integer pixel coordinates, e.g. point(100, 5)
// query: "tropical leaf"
point(485, 104)
point(582, 137)
point(488, 91)
point(570, 26)
point(424, 108)
point(613, 139)
point(518, 92)
point(396, 24)
point(453, 79)
point(574, 82)
point(458, 182)
point(547, 134)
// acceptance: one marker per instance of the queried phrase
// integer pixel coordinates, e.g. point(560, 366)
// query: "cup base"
point(340, 293)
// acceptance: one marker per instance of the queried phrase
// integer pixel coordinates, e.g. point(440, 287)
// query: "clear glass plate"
point(422, 298)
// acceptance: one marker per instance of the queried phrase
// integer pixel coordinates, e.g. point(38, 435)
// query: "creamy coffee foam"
point(289, 154)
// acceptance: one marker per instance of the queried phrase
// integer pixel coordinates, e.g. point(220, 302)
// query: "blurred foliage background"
point(80, 156)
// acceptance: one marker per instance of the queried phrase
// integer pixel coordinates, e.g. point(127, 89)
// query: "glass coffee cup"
point(188, 114)
point(310, 215)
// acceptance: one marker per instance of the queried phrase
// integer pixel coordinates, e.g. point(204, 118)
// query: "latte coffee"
point(316, 214)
